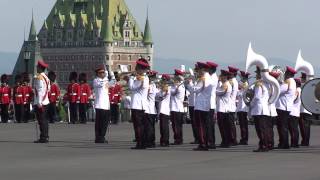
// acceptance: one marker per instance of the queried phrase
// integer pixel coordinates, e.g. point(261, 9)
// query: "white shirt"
point(42, 88)
point(178, 93)
point(101, 92)
point(127, 102)
point(164, 102)
point(241, 106)
point(296, 107)
point(191, 97)
point(235, 89)
point(223, 97)
point(259, 104)
point(272, 107)
point(215, 81)
point(152, 92)
point(287, 96)
point(139, 93)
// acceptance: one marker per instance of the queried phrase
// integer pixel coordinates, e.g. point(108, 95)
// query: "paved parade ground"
point(71, 154)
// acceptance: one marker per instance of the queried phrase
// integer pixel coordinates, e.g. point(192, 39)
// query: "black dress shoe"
point(101, 141)
point(176, 143)
point(164, 145)
point(138, 147)
point(224, 146)
point(212, 147)
point(195, 142)
point(243, 143)
point(41, 141)
point(201, 148)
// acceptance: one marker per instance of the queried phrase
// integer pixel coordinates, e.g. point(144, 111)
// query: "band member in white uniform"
point(273, 114)
point(242, 108)
point(139, 85)
point(151, 112)
point(164, 109)
point(203, 91)
point(235, 88)
point(259, 110)
point(213, 103)
point(223, 100)
point(284, 106)
point(191, 102)
point(176, 106)
point(305, 119)
point(101, 104)
point(41, 101)
point(294, 116)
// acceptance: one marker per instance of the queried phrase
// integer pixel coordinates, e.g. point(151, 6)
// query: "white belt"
point(73, 94)
point(5, 95)
point(53, 94)
point(84, 94)
point(27, 95)
point(18, 95)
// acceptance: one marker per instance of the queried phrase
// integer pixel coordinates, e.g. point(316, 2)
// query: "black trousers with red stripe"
point(138, 118)
point(27, 113)
point(150, 129)
point(204, 124)
point(101, 124)
point(73, 107)
point(294, 131)
point(177, 126)
point(243, 122)
point(225, 123)
point(164, 129)
point(232, 116)
point(283, 129)
point(19, 112)
point(195, 130)
point(212, 130)
point(4, 113)
point(261, 125)
point(83, 109)
point(305, 128)
point(43, 121)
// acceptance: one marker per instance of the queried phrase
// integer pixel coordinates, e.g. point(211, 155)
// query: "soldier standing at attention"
point(28, 97)
point(18, 95)
point(5, 94)
point(41, 102)
point(115, 94)
point(73, 94)
point(84, 95)
point(101, 104)
point(54, 95)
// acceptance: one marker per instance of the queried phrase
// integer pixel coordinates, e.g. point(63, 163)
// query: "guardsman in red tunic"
point(5, 94)
point(115, 93)
point(18, 99)
point(54, 95)
point(85, 93)
point(28, 97)
point(73, 97)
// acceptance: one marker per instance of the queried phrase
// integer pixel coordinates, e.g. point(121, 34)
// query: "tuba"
point(310, 94)
point(254, 59)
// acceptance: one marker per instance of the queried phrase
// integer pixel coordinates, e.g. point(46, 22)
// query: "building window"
point(107, 57)
point(127, 34)
point(127, 44)
point(129, 57)
point(149, 58)
point(119, 57)
point(129, 68)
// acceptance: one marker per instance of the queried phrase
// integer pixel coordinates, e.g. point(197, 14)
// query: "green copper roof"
point(147, 38)
point(33, 31)
point(100, 13)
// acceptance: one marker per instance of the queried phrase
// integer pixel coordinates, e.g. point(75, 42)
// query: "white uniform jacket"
point(296, 107)
point(215, 81)
point(178, 93)
point(152, 92)
point(224, 97)
point(42, 88)
point(101, 93)
point(164, 102)
point(139, 92)
point(287, 96)
point(259, 104)
point(235, 89)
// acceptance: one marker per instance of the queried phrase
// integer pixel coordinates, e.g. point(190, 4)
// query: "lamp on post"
point(27, 57)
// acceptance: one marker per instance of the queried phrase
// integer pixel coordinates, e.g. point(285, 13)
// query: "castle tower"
point(79, 35)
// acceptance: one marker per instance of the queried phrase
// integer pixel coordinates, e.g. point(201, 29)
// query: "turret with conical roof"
point(147, 37)
point(33, 31)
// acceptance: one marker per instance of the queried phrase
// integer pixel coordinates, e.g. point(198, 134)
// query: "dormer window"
point(127, 34)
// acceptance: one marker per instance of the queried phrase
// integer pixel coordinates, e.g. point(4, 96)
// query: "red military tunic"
point(5, 93)
point(28, 94)
point(115, 93)
point(73, 92)
point(18, 95)
point(85, 93)
point(54, 93)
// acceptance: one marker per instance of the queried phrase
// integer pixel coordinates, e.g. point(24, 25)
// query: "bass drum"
point(310, 96)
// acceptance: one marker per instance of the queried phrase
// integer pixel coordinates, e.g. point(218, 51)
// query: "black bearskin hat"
point(52, 76)
point(73, 76)
point(83, 77)
point(4, 78)
point(26, 77)
point(18, 78)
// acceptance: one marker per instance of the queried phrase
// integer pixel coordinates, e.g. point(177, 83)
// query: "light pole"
point(26, 57)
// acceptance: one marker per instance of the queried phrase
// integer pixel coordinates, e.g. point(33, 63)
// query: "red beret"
point(152, 73)
point(41, 63)
point(291, 70)
point(274, 74)
point(303, 75)
point(225, 73)
point(244, 74)
point(178, 72)
point(165, 77)
point(202, 65)
point(100, 68)
point(298, 80)
point(233, 69)
point(212, 64)
point(142, 62)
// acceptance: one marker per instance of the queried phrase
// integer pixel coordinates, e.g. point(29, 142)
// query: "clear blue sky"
point(201, 29)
